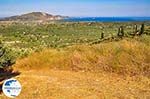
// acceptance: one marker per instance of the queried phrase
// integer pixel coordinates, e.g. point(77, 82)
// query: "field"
point(60, 34)
point(64, 60)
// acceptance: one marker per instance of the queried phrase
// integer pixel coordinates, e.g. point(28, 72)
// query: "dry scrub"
point(126, 57)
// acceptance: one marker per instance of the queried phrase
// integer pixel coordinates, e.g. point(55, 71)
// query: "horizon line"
point(3, 16)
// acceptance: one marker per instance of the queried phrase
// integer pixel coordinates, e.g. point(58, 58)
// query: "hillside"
point(34, 16)
point(74, 61)
point(126, 57)
point(102, 71)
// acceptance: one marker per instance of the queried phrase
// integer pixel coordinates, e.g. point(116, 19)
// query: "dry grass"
point(115, 70)
point(126, 57)
point(56, 84)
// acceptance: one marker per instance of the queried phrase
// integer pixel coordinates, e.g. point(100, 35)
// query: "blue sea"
point(107, 19)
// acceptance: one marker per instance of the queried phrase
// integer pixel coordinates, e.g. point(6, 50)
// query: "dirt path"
point(56, 84)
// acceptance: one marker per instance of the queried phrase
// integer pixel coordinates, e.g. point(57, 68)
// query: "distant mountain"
point(34, 16)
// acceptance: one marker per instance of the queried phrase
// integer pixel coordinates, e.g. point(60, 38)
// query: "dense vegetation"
point(7, 57)
point(56, 35)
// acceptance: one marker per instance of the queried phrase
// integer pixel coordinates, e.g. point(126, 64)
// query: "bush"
point(6, 57)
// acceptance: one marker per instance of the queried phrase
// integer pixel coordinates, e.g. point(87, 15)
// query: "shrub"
point(6, 57)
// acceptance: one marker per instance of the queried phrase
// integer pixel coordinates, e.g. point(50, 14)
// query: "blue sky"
point(100, 8)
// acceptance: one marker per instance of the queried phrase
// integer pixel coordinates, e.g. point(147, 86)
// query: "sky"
point(81, 8)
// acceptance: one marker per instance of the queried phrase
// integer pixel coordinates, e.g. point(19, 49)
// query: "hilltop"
point(34, 16)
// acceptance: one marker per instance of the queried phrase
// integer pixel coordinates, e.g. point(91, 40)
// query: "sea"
point(107, 19)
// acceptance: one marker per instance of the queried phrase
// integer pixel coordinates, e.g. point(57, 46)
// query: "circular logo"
point(11, 88)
